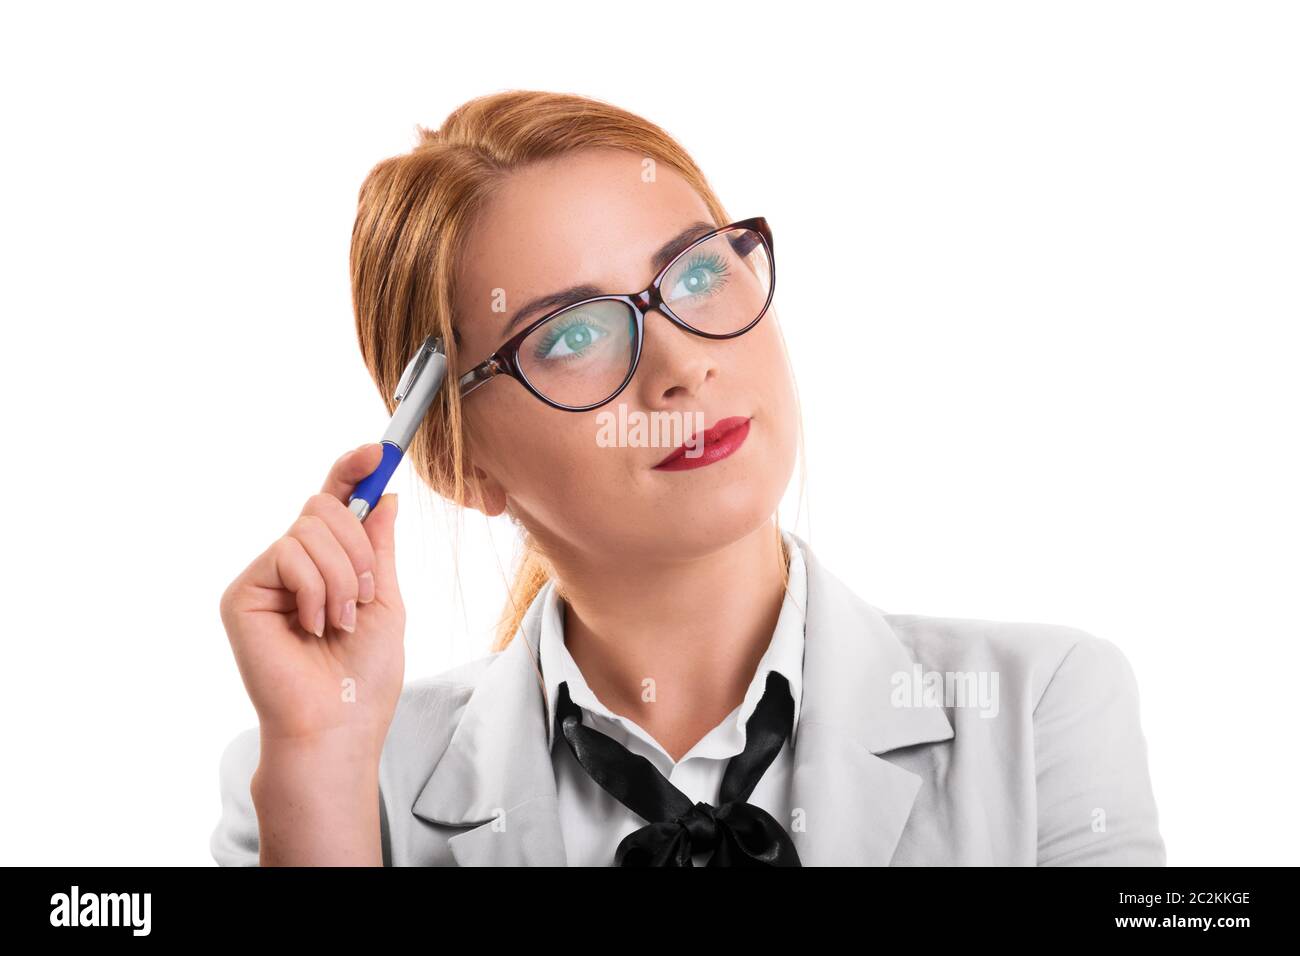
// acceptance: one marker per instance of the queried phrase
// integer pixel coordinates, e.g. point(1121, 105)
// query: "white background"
point(1062, 239)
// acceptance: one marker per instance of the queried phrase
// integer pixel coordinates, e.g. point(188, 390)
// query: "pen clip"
point(416, 365)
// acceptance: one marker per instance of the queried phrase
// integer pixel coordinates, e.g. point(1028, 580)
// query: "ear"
point(485, 493)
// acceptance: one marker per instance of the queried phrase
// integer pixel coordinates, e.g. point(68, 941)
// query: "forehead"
point(593, 216)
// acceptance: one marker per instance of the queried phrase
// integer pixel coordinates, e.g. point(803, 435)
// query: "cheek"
point(765, 367)
point(761, 351)
point(772, 340)
point(774, 388)
point(551, 461)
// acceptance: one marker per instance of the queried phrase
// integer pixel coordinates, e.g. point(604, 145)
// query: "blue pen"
point(420, 382)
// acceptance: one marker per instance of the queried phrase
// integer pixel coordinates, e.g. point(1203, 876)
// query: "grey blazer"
point(1054, 774)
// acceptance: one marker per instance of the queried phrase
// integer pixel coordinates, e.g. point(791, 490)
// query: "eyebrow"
point(555, 300)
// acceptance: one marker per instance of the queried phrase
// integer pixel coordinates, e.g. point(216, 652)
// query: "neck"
point(675, 646)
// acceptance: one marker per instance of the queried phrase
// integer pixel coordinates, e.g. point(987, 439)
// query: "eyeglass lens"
point(582, 355)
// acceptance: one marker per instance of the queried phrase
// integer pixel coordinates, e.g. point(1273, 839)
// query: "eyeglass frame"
point(505, 360)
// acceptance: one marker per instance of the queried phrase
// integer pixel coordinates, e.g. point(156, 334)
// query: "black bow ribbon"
point(739, 833)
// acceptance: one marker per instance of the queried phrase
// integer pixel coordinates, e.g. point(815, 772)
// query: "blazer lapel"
point(496, 778)
point(850, 804)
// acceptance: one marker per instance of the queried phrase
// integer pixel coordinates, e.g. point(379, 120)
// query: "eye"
point(703, 275)
point(571, 339)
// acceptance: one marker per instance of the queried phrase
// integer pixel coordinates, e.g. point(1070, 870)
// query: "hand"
point(316, 621)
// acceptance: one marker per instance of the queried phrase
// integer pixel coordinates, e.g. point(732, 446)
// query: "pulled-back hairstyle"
point(414, 215)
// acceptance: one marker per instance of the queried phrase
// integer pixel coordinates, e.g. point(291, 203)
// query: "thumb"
point(379, 529)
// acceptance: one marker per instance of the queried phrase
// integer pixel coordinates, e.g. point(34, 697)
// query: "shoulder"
point(1045, 661)
point(1026, 658)
point(1062, 720)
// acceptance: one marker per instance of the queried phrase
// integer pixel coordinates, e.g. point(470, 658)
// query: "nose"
point(675, 365)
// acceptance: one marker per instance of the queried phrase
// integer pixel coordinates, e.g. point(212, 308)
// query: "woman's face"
point(591, 218)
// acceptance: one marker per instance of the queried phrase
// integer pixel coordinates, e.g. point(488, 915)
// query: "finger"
point(351, 534)
point(379, 526)
point(279, 600)
point(332, 562)
point(350, 468)
point(288, 571)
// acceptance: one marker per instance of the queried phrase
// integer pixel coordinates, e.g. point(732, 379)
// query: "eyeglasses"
point(581, 356)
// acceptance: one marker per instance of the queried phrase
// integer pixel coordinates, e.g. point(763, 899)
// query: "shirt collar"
point(784, 653)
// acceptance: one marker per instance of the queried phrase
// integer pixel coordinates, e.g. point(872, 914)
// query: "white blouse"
point(592, 821)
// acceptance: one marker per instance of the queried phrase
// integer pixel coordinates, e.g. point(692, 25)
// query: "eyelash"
point(546, 344)
point(719, 266)
point(712, 260)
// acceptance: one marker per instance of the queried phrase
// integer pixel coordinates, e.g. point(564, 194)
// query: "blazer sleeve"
point(1095, 802)
point(234, 839)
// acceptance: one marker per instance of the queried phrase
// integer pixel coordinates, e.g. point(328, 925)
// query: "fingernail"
point(320, 623)
point(366, 586)
point(349, 622)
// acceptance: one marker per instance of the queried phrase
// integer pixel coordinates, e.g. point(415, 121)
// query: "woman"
point(661, 623)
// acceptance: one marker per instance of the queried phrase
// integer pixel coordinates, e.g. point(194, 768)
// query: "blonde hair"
point(415, 212)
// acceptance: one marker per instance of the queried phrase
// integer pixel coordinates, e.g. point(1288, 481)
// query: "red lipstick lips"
point(719, 442)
